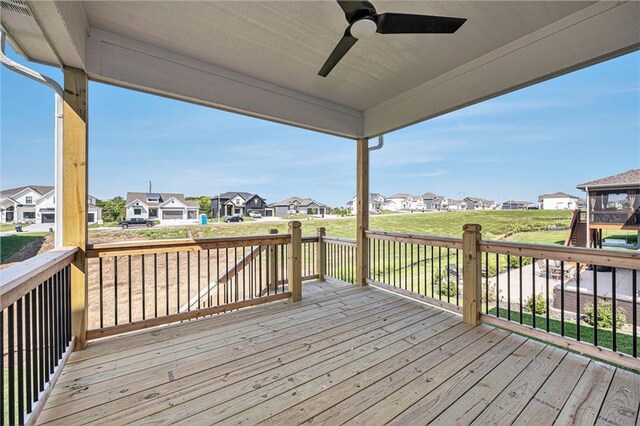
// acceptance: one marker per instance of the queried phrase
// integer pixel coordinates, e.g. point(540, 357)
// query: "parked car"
point(136, 222)
point(255, 215)
point(234, 219)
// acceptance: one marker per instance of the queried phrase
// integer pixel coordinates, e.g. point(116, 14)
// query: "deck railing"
point(424, 266)
point(35, 297)
point(563, 295)
point(135, 285)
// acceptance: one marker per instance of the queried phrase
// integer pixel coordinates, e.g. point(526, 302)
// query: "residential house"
point(160, 206)
point(476, 203)
point(296, 205)
point(239, 204)
point(36, 204)
point(558, 201)
point(515, 205)
point(377, 203)
point(456, 205)
point(400, 201)
point(433, 201)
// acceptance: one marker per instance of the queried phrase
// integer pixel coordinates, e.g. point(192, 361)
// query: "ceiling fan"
point(364, 22)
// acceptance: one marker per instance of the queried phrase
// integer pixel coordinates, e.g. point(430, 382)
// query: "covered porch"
point(61, 310)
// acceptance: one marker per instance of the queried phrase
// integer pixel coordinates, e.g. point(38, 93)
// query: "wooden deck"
point(342, 355)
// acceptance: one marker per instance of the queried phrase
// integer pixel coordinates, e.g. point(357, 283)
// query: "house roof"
point(164, 196)
point(40, 189)
point(478, 200)
point(556, 195)
point(400, 195)
point(628, 179)
point(231, 194)
point(526, 203)
point(301, 201)
point(261, 59)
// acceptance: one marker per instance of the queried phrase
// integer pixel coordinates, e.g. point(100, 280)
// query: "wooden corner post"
point(321, 253)
point(294, 261)
point(362, 199)
point(272, 253)
point(472, 279)
point(74, 193)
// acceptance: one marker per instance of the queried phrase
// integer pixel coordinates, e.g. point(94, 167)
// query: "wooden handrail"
point(341, 241)
point(185, 244)
point(432, 240)
point(568, 254)
point(20, 279)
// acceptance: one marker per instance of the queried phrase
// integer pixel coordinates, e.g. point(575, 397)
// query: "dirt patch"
point(32, 249)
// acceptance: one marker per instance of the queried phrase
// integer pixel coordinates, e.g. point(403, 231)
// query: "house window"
point(137, 211)
point(28, 200)
point(255, 201)
point(29, 215)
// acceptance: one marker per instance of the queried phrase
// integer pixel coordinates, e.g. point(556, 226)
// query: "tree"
point(205, 204)
point(114, 210)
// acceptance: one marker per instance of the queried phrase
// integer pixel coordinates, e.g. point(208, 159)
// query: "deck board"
point(342, 355)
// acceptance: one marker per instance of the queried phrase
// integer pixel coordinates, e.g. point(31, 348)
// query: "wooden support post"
point(362, 219)
point(272, 277)
point(74, 185)
point(294, 261)
point(321, 253)
point(472, 278)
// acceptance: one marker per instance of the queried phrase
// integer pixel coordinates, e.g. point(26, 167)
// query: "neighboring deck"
point(343, 354)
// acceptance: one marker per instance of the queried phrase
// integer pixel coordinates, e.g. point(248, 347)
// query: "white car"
point(255, 215)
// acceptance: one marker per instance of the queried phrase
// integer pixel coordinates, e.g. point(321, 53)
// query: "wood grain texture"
point(75, 195)
point(472, 278)
point(362, 212)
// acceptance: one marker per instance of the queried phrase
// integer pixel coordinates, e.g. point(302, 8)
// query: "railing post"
point(294, 261)
point(472, 278)
point(273, 264)
point(74, 192)
point(321, 253)
point(362, 217)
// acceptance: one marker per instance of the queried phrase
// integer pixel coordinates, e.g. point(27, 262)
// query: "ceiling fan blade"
point(346, 42)
point(403, 23)
point(356, 9)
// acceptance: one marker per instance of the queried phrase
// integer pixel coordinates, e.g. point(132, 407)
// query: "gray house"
point(296, 205)
point(237, 203)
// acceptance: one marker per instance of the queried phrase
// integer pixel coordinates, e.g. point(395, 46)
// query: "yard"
point(495, 225)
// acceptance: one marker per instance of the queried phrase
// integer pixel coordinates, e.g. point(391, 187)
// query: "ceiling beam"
point(129, 63)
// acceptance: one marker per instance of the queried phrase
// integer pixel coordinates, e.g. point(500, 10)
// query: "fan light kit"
point(364, 22)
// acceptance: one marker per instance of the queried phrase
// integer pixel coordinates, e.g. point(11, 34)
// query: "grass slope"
point(12, 243)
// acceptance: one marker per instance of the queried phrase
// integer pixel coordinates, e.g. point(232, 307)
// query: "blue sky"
point(544, 138)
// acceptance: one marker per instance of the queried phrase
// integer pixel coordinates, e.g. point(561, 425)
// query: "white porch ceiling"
point(262, 58)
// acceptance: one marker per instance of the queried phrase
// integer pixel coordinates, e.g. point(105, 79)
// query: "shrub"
point(514, 261)
point(541, 304)
point(450, 288)
point(605, 315)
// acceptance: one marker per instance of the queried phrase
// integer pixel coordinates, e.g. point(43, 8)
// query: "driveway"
point(39, 227)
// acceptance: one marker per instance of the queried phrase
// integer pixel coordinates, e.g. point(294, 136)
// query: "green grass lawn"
point(495, 224)
point(12, 243)
point(540, 237)
point(4, 227)
point(605, 337)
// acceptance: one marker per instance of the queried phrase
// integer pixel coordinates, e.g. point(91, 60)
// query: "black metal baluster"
point(144, 314)
point(595, 305)
point(189, 281)
point(155, 285)
point(166, 283)
point(12, 364)
point(520, 284)
point(497, 283)
point(439, 273)
point(100, 278)
point(275, 266)
point(614, 340)
point(433, 294)
point(457, 278)
point(411, 267)
point(405, 266)
point(260, 267)
point(115, 288)
point(20, 370)
point(208, 278)
point(218, 277)
point(199, 278)
point(533, 291)
point(486, 282)
point(509, 287)
point(129, 284)
point(27, 351)
point(41, 337)
point(562, 297)
point(3, 410)
point(547, 290)
point(244, 281)
point(37, 362)
point(634, 311)
point(578, 302)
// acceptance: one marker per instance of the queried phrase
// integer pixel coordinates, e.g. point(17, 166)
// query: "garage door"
point(268, 213)
point(48, 217)
point(172, 214)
